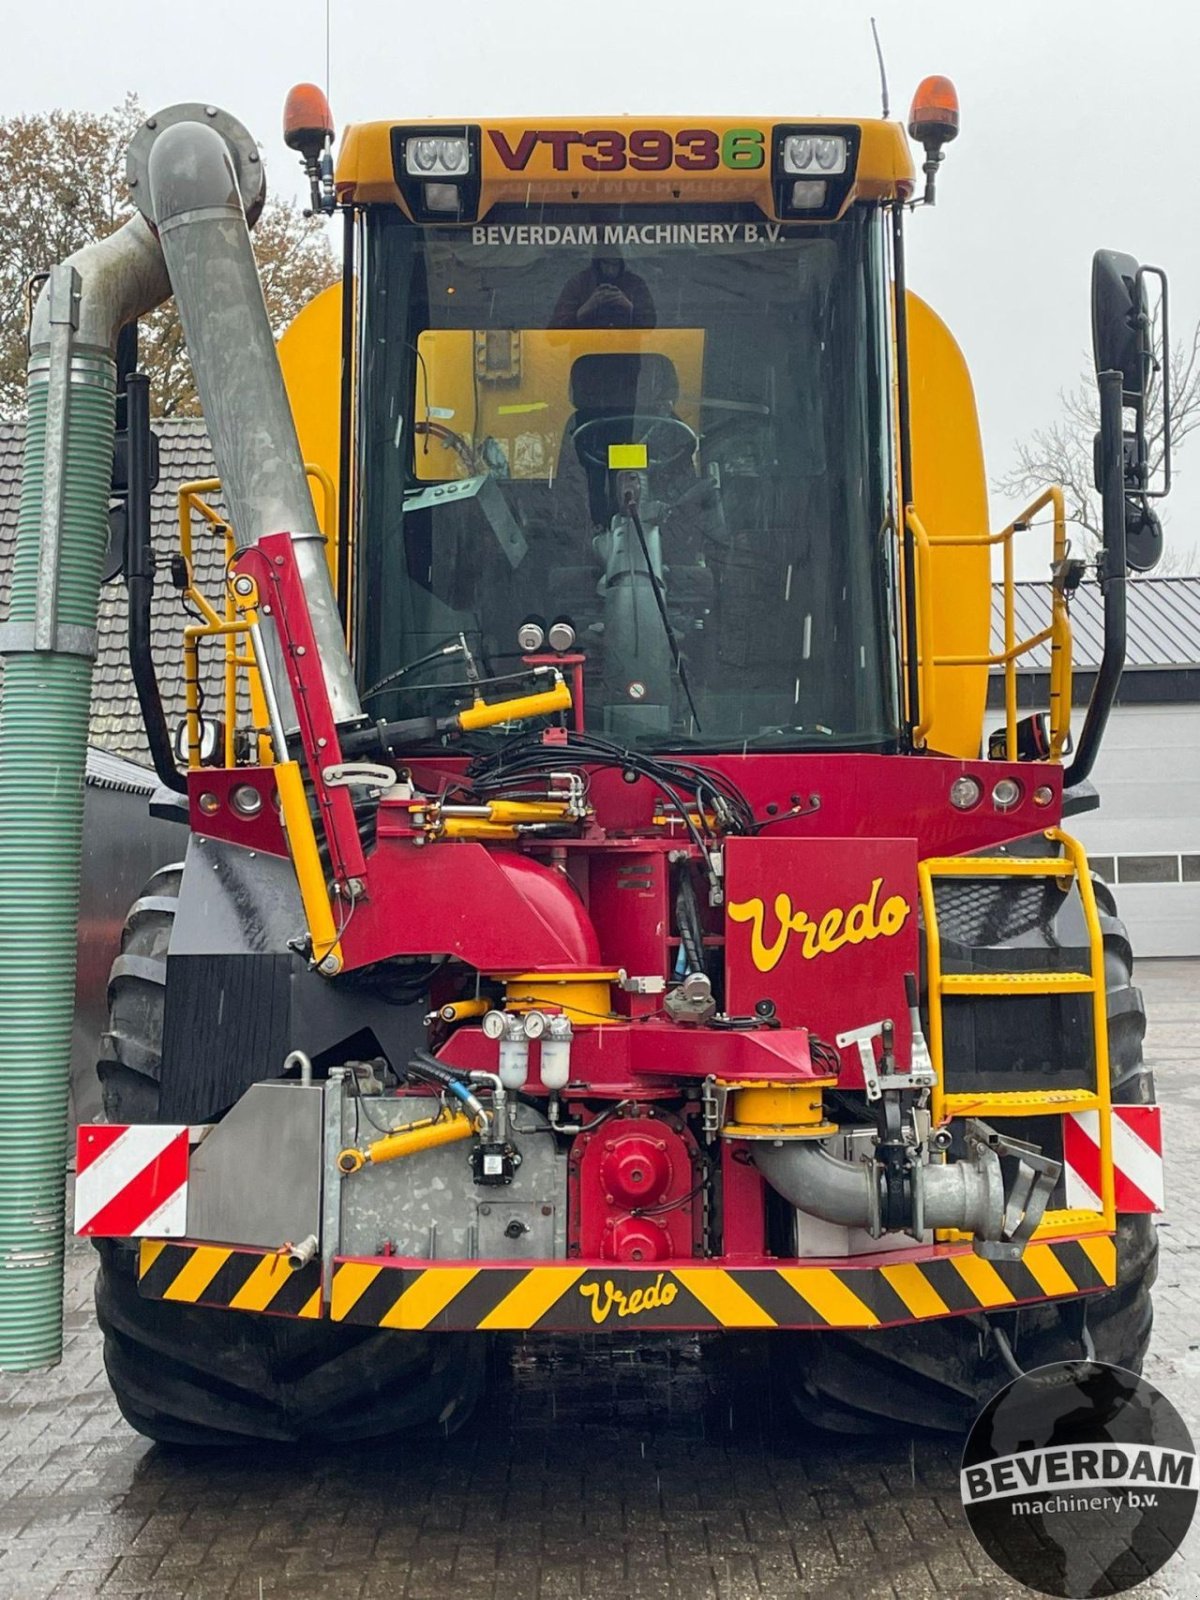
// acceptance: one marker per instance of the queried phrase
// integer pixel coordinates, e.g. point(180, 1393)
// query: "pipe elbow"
point(190, 171)
point(121, 277)
point(820, 1184)
point(966, 1195)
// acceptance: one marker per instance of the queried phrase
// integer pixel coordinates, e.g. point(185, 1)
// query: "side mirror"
point(1143, 536)
point(1120, 322)
point(1123, 342)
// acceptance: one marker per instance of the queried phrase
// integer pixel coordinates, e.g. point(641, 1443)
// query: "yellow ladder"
point(1072, 864)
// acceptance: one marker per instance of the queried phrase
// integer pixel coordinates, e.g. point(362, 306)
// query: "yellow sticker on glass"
point(629, 457)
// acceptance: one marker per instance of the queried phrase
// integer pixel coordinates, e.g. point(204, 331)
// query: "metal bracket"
point(918, 1077)
point(66, 639)
point(1026, 1201)
point(359, 775)
point(62, 291)
point(713, 1099)
point(332, 1142)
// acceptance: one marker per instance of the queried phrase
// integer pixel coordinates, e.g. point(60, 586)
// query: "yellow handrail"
point(1058, 632)
point(232, 626)
point(1071, 866)
point(925, 657)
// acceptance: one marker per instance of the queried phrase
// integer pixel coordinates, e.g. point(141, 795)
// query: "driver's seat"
point(614, 385)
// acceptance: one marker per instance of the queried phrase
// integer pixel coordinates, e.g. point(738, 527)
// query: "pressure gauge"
point(535, 1024)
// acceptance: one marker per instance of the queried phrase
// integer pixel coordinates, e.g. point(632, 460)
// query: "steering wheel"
point(667, 439)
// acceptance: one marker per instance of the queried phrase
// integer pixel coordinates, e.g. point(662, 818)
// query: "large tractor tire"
point(939, 1375)
point(186, 1375)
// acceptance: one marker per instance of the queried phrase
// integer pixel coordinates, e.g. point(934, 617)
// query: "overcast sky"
point(1080, 120)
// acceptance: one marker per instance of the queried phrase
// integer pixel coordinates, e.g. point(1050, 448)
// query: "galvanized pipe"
point(197, 208)
point(966, 1195)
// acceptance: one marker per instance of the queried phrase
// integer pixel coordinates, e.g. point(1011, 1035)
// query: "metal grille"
point(979, 912)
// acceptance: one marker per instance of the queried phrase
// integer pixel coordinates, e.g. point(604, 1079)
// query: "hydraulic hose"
point(139, 581)
point(449, 1079)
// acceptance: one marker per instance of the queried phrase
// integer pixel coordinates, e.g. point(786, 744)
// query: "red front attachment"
point(823, 929)
point(635, 1185)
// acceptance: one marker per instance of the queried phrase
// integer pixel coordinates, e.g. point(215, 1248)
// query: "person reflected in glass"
point(606, 294)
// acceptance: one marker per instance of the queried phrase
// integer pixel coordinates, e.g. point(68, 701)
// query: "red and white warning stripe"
point(1137, 1158)
point(131, 1181)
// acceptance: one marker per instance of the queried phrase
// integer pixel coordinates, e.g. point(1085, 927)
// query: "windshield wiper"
point(660, 601)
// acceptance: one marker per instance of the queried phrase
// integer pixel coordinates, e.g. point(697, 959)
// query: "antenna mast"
point(883, 88)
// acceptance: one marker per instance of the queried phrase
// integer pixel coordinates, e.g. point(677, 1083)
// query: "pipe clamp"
point(65, 639)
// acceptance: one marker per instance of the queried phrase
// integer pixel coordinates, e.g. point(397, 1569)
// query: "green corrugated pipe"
point(49, 644)
point(43, 748)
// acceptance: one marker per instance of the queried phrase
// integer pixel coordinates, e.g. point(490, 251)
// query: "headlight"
point(803, 152)
point(808, 194)
point(441, 196)
point(798, 153)
point(426, 153)
point(965, 792)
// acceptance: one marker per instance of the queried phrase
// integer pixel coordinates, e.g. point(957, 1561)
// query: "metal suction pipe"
point(966, 1195)
point(197, 209)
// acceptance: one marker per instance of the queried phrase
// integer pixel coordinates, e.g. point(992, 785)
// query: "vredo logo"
point(606, 1298)
point(866, 920)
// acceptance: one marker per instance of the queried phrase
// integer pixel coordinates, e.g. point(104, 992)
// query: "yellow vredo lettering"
point(606, 1298)
point(865, 920)
point(766, 957)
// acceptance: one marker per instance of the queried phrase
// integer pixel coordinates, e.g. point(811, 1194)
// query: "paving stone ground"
point(599, 1471)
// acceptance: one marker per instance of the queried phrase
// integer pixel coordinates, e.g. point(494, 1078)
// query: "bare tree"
point(64, 186)
point(1062, 452)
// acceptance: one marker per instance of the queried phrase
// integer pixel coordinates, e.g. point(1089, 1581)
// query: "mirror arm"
point(1113, 579)
point(139, 580)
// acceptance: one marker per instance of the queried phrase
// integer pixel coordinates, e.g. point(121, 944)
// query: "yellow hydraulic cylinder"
point(481, 715)
point(463, 1010)
point(428, 1134)
point(474, 828)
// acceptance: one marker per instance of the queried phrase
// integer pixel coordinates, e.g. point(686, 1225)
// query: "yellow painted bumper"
point(913, 1287)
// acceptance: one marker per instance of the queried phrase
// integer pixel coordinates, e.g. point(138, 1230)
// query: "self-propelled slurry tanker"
point(595, 912)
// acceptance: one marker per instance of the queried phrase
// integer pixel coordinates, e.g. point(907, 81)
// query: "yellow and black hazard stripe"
point(239, 1280)
point(376, 1293)
point(471, 1295)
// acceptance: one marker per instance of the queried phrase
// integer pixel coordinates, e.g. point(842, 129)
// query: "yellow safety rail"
point(229, 623)
point(1072, 865)
point(1058, 632)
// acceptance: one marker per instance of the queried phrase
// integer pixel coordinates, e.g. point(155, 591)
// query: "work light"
point(450, 157)
point(438, 171)
point(804, 152)
point(813, 169)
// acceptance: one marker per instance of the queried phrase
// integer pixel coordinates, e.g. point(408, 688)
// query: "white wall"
point(1148, 777)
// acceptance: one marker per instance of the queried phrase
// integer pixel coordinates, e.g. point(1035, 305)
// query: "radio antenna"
point(883, 89)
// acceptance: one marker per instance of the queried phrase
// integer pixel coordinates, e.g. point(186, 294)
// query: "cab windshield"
point(667, 432)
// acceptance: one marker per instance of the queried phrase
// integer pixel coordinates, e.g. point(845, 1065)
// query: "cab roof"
point(626, 161)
